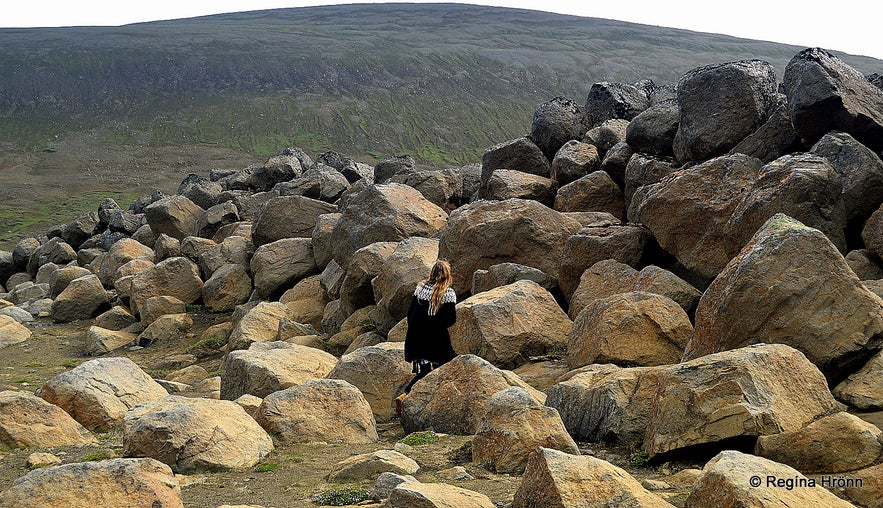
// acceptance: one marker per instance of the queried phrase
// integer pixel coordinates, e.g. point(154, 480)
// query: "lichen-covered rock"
point(27, 421)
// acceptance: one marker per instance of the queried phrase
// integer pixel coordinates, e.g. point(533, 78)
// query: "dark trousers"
point(420, 370)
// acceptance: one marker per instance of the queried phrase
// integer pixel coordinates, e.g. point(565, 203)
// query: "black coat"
point(428, 337)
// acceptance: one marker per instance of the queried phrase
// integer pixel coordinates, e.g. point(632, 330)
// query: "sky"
point(846, 25)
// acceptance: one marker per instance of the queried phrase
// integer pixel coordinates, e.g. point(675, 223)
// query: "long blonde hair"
point(440, 278)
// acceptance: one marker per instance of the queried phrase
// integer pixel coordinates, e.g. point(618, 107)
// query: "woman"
point(432, 311)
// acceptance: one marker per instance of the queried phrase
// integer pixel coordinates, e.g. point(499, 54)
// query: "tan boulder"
point(761, 297)
point(117, 318)
point(101, 340)
point(59, 279)
point(573, 161)
point(192, 434)
point(384, 213)
point(119, 254)
point(454, 398)
point(513, 427)
point(380, 372)
point(177, 277)
point(402, 270)
point(229, 286)
point(83, 298)
point(630, 329)
point(258, 324)
point(27, 421)
point(12, 332)
point(268, 367)
point(276, 266)
point(580, 251)
point(486, 233)
point(542, 374)
point(166, 328)
point(508, 183)
point(864, 388)
point(752, 391)
point(307, 301)
point(356, 290)
point(175, 216)
point(554, 479)
point(832, 444)
point(508, 324)
point(191, 375)
point(158, 306)
point(323, 247)
point(595, 192)
point(435, 495)
point(357, 323)
point(866, 487)
point(729, 480)
point(369, 465)
point(319, 410)
point(115, 482)
point(41, 459)
point(98, 393)
point(236, 250)
point(288, 217)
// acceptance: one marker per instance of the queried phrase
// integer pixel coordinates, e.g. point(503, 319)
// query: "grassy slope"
point(441, 82)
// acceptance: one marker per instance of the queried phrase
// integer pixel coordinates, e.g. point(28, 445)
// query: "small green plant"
point(99, 455)
point(70, 363)
point(426, 437)
point(266, 468)
point(23, 381)
point(639, 459)
point(192, 308)
point(35, 364)
point(342, 496)
point(207, 346)
point(367, 326)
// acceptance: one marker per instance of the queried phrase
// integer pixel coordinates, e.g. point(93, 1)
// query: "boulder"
point(323, 248)
point(259, 323)
point(28, 292)
point(125, 222)
point(775, 138)
point(319, 410)
point(356, 290)
point(384, 213)
point(98, 393)
point(507, 273)
point(306, 301)
point(595, 192)
point(506, 183)
point(215, 217)
point(825, 94)
point(83, 298)
point(444, 188)
point(278, 265)
point(80, 229)
point(59, 279)
point(287, 217)
point(200, 190)
point(380, 372)
point(321, 182)
point(694, 230)
point(519, 154)
point(165, 247)
point(167, 328)
point(177, 277)
point(866, 488)
point(12, 332)
point(101, 340)
point(54, 250)
point(721, 104)
point(27, 421)
point(369, 465)
point(194, 435)
point(761, 297)
point(265, 368)
point(643, 170)
point(865, 264)
point(653, 130)
point(117, 318)
point(556, 479)
point(158, 306)
point(630, 329)
point(586, 247)
point(435, 495)
point(175, 216)
point(872, 232)
point(454, 398)
point(573, 161)
point(486, 233)
point(408, 264)
point(832, 444)
point(20, 255)
point(509, 324)
point(228, 286)
point(729, 481)
point(864, 388)
point(115, 482)
point(753, 391)
point(331, 279)
point(514, 426)
point(607, 101)
point(555, 123)
point(396, 165)
point(236, 250)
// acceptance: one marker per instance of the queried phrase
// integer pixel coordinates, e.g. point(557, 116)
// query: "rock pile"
point(705, 257)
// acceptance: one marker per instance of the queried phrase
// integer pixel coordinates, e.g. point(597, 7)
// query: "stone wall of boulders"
point(686, 268)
